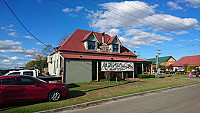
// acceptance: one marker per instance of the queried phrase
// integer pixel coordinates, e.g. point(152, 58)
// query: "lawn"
point(90, 91)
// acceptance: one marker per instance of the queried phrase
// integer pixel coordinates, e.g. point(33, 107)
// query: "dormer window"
point(115, 47)
point(91, 45)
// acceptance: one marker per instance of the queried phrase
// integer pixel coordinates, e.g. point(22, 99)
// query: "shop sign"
point(104, 48)
point(117, 66)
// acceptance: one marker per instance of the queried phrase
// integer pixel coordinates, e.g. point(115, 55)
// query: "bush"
point(190, 68)
point(146, 76)
point(47, 73)
point(107, 76)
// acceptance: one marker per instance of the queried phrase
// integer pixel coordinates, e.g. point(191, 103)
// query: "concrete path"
point(178, 100)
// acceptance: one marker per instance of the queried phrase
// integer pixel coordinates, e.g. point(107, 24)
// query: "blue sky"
point(142, 26)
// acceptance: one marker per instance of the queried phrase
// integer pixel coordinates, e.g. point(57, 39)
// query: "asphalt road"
point(179, 100)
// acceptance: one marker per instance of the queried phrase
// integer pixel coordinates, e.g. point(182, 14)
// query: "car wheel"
point(54, 96)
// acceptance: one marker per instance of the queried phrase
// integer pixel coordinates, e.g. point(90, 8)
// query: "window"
point(14, 73)
point(115, 48)
point(91, 45)
point(27, 81)
point(28, 73)
point(8, 81)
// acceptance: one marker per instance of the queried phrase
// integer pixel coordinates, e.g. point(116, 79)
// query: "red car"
point(17, 88)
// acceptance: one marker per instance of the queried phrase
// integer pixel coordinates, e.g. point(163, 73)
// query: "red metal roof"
point(101, 57)
point(189, 60)
point(74, 43)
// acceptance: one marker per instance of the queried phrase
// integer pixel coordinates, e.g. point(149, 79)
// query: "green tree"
point(190, 68)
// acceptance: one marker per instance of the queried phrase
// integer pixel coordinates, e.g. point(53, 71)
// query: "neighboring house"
point(187, 61)
point(163, 61)
point(87, 55)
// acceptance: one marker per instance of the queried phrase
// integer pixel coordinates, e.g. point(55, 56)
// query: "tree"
point(190, 68)
point(40, 59)
point(185, 67)
point(62, 39)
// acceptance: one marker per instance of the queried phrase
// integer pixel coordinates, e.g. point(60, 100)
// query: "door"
point(33, 91)
point(11, 91)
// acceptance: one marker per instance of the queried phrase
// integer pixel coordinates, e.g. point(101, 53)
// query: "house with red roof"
point(187, 61)
point(86, 56)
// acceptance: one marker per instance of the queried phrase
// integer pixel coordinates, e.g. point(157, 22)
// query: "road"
point(179, 100)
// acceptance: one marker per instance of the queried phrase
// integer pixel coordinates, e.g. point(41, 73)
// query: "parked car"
point(18, 88)
point(35, 74)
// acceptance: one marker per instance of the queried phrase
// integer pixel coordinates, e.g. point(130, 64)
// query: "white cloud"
point(113, 32)
point(135, 38)
point(10, 46)
point(11, 25)
point(78, 8)
point(2, 27)
point(6, 61)
point(181, 40)
point(29, 37)
point(14, 34)
point(3, 56)
point(112, 18)
point(15, 58)
point(192, 3)
point(174, 5)
point(38, 43)
point(12, 30)
point(67, 10)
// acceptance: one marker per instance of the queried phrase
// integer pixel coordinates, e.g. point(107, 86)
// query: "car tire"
point(54, 95)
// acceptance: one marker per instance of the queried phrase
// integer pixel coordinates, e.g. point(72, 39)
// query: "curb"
point(83, 105)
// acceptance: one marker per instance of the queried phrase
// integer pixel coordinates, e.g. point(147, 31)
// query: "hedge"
point(146, 76)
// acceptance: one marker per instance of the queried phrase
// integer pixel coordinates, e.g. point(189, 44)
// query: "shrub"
point(47, 73)
point(190, 68)
point(146, 76)
point(107, 76)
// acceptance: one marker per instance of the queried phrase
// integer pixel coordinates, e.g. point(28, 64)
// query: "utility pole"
point(157, 58)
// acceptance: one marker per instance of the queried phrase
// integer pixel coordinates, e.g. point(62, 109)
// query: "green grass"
point(90, 91)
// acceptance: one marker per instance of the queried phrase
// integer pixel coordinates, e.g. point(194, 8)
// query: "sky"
point(142, 26)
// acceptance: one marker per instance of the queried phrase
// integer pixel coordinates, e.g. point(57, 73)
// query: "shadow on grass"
point(71, 94)
point(72, 85)
point(110, 86)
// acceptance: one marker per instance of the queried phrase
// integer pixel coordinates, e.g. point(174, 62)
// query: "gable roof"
point(161, 59)
point(189, 60)
point(74, 43)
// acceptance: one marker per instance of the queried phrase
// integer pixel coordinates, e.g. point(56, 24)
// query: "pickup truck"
point(34, 73)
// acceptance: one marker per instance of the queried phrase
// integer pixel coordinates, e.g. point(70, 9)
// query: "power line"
point(159, 13)
point(87, 12)
point(23, 24)
point(127, 14)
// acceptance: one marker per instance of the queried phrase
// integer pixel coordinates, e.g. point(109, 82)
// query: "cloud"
point(192, 3)
point(2, 27)
point(29, 37)
point(143, 16)
point(3, 56)
point(14, 34)
point(11, 25)
point(10, 46)
point(113, 31)
point(135, 38)
point(78, 8)
point(174, 5)
point(15, 58)
point(67, 10)
point(38, 43)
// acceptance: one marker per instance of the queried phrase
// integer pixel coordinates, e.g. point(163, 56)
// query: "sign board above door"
point(117, 66)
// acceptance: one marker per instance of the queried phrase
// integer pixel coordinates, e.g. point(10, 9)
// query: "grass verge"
point(85, 92)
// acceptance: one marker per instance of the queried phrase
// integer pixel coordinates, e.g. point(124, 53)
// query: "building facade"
point(187, 61)
point(86, 56)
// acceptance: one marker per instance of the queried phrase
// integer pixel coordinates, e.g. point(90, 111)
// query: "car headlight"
point(64, 86)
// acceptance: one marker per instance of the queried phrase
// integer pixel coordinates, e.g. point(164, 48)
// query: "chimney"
point(103, 37)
